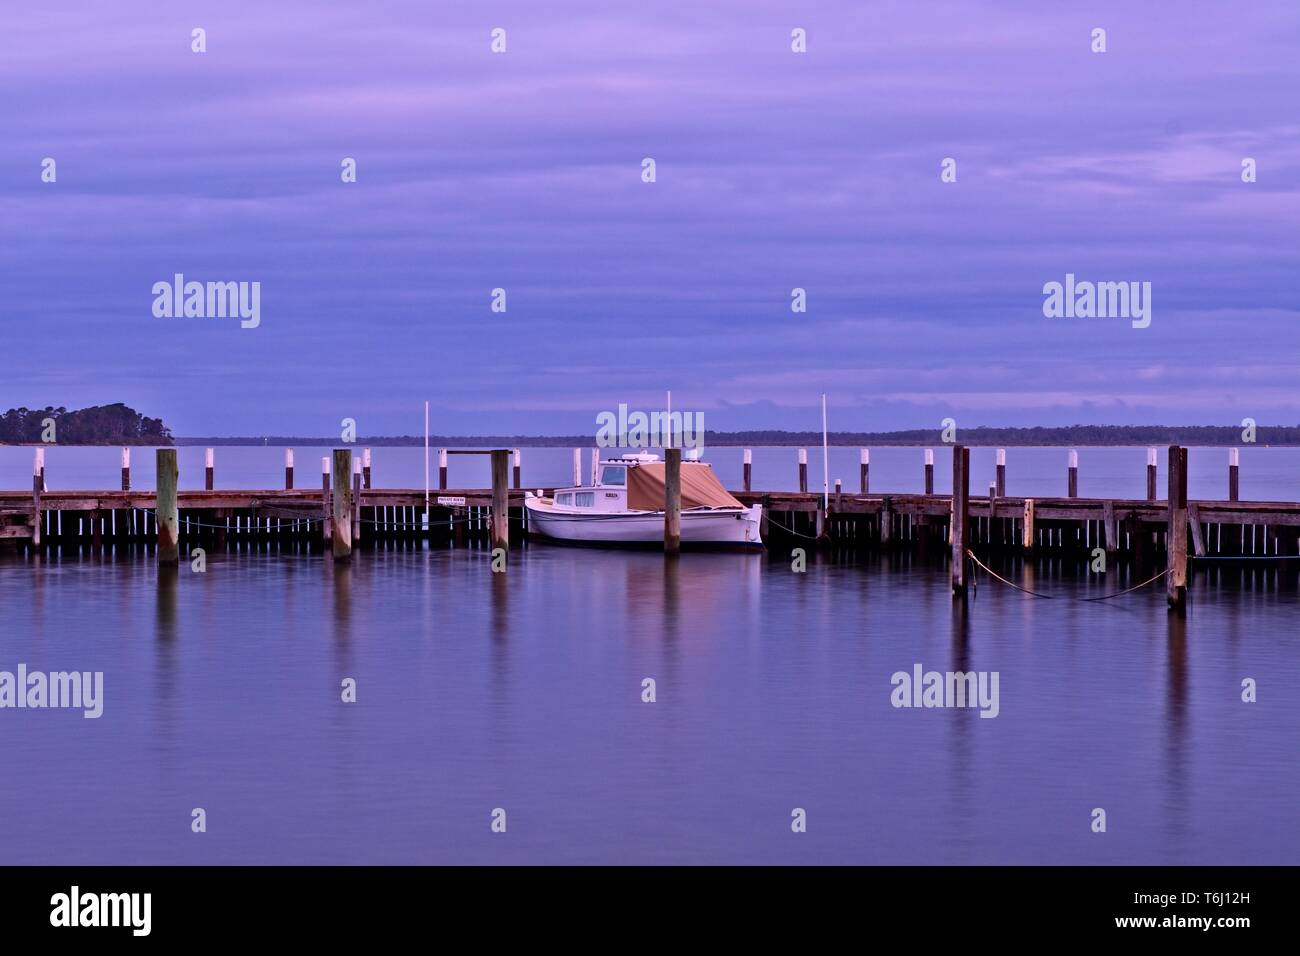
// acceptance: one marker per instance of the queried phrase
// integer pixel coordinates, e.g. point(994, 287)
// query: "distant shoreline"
point(1086, 436)
point(1081, 436)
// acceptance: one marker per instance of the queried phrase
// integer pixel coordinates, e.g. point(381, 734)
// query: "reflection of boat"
point(626, 506)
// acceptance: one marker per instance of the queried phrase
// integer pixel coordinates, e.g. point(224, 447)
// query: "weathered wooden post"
point(1072, 474)
point(1151, 474)
point(165, 507)
point(341, 504)
point(356, 499)
point(501, 499)
point(1234, 473)
point(288, 469)
point(749, 469)
point(36, 501)
point(803, 469)
point(40, 467)
point(1177, 533)
point(864, 470)
point(365, 468)
point(518, 469)
point(326, 534)
point(960, 516)
point(1027, 527)
point(839, 496)
point(126, 469)
point(208, 470)
point(929, 471)
point(1002, 473)
point(442, 469)
point(577, 467)
point(993, 512)
point(672, 500)
point(886, 522)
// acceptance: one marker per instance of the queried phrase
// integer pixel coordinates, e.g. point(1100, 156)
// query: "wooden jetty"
point(345, 512)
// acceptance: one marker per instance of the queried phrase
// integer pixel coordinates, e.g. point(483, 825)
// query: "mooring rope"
point(1036, 594)
point(1104, 597)
point(810, 537)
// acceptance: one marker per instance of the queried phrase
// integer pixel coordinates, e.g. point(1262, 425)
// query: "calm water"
point(523, 691)
point(1266, 473)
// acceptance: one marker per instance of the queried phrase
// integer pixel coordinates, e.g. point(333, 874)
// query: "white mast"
point(826, 468)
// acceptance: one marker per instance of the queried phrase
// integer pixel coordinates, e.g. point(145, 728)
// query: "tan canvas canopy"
point(700, 488)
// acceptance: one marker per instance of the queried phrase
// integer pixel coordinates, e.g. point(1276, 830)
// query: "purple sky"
point(775, 170)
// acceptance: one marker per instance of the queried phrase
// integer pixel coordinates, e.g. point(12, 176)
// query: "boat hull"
point(726, 528)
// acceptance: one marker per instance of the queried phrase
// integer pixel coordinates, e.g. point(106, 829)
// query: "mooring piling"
point(209, 472)
point(357, 480)
point(166, 507)
point(748, 469)
point(288, 469)
point(1151, 474)
point(126, 469)
point(864, 470)
point(442, 469)
point(40, 466)
point(501, 499)
point(36, 499)
point(1072, 474)
point(1176, 542)
point(518, 469)
point(365, 468)
point(341, 504)
point(1234, 473)
point(959, 531)
point(326, 534)
point(929, 471)
point(672, 500)
point(577, 467)
point(1002, 473)
point(803, 470)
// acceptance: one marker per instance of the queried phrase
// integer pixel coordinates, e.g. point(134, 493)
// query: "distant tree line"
point(99, 425)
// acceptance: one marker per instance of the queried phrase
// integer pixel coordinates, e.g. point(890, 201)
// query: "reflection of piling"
point(673, 500)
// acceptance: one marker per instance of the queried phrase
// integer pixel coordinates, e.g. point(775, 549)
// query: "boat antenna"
point(426, 463)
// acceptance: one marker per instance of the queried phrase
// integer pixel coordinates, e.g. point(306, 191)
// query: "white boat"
point(626, 506)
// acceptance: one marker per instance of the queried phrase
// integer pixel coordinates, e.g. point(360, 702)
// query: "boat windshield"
point(613, 475)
